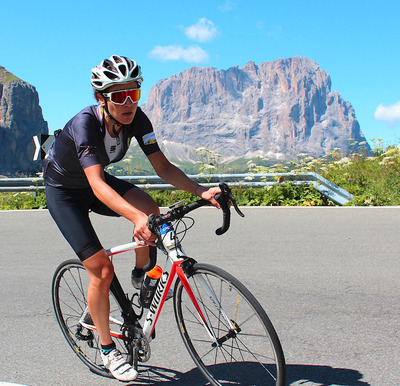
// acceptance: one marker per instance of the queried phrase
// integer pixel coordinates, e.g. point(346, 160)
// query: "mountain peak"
point(20, 119)
point(280, 108)
point(6, 76)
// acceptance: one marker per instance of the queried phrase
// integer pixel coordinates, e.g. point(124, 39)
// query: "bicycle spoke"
point(246, 349)
point(70, 292)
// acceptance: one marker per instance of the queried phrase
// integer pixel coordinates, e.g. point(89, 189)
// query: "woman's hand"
point(142, 234)
point(209, 194)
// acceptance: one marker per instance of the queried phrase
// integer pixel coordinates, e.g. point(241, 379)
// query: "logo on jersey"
point(149, 138)
point(89, 151)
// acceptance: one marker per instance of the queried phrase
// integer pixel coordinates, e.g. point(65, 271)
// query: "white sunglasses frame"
point(108, 95)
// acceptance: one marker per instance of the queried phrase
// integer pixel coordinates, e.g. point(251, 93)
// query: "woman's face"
point(122, 113)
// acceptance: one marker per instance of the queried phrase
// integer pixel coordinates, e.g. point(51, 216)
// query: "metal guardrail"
point(325, 187)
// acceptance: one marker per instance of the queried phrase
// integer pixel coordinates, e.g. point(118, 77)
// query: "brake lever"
point(151, 223)
point(226, 191)
point(234, 203)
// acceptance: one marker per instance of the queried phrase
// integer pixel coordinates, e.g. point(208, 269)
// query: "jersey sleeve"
point(144, 133)
point(87, 137)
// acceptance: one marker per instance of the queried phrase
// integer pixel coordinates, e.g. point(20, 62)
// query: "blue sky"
point(53, 45)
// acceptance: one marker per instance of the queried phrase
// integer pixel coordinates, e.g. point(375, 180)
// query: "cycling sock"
point(106, 349)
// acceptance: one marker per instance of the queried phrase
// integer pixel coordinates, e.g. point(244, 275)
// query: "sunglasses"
point(120, 97)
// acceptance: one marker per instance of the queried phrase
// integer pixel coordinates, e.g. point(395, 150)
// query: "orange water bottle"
point(149, 286)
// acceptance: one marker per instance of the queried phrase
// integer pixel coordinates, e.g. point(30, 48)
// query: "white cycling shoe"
point(119, 367)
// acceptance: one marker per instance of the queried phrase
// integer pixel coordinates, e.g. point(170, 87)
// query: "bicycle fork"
point(233, 328)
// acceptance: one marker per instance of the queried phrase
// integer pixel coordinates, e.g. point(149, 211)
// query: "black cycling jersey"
point(81, 144)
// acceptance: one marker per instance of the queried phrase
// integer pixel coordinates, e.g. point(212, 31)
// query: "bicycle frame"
point(177, 263)
point(173, 267)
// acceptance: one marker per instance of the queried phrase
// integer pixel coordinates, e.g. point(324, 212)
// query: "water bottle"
point(149, 285)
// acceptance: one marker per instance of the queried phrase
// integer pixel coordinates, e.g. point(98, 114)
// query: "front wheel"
point(239, 346)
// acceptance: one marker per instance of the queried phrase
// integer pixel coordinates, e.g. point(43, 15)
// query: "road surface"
point(327, 277)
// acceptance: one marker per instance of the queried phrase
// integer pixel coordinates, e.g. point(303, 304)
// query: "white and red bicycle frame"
point(175, 257)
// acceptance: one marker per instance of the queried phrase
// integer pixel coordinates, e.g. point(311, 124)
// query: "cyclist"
point(76, 183)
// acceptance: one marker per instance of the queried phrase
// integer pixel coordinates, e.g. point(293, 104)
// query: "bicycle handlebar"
point(225, 198)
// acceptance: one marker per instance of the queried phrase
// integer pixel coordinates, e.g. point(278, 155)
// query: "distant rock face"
point(20, 119)
point(276, 109)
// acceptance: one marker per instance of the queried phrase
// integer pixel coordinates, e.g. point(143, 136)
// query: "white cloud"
point(227, 6)
point(390, 114)
point(274, 31)
point(260, 25)
point(192, 54)
point(203, 31)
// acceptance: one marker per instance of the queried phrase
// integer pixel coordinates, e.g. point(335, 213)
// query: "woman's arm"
point(176, 177)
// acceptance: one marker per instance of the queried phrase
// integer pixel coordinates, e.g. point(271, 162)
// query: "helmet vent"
point(117, 59)
point(111, 75)
point(135, 72)
point(122, 68)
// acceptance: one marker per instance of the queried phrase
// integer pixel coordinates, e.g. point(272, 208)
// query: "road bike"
point(224, 328)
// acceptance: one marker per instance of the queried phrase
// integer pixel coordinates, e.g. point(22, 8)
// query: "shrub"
point(373, 180)
point(22, 200)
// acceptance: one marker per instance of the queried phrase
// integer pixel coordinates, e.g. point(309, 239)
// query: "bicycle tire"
point(69, 291)
point(252, 355)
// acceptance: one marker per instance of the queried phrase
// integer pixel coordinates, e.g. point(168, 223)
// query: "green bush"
point(22, 200)
point(284, 194)
point(373, 180)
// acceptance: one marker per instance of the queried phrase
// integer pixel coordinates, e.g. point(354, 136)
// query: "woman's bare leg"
point(142, 201)
point(101, 272)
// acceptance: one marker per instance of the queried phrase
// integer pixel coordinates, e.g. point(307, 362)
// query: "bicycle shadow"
point(297, 374)
point(323, 376)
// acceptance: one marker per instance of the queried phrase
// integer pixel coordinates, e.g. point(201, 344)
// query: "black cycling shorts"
point(70, 210)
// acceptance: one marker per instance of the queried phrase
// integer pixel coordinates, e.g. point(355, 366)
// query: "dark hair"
point(96, 94)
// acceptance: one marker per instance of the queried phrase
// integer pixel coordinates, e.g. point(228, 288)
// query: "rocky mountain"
point(20, 119)
point(276, 109)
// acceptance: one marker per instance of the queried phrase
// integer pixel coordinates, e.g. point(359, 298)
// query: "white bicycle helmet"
point(116, 70)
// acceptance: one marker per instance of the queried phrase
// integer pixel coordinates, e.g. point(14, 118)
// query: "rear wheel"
point(69, 290)
point(244, 347)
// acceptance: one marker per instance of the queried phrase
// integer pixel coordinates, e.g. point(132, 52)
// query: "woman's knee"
point(99, 268)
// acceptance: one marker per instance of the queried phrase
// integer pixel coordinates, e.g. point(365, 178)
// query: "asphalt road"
point(327, 277)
